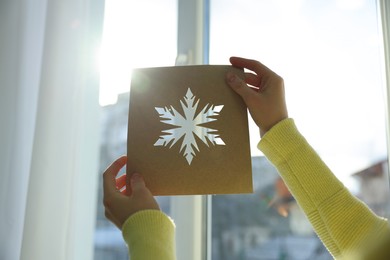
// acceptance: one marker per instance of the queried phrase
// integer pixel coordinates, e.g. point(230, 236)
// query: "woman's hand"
point(119, 203)
point(262, 92)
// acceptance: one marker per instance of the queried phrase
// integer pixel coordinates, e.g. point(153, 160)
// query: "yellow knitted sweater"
point(344, 224)
point(149, 235)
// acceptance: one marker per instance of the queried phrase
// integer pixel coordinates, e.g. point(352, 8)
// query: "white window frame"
point(384, 21)
point(192, 214)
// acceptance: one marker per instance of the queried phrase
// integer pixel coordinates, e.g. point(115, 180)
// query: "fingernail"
point(231, 77)
point(136, 177)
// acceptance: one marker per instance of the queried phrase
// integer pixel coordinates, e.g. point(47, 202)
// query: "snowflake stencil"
point(188, 126)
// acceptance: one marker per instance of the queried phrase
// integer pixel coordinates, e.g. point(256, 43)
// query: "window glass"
point(329, 54)
point(135, 34)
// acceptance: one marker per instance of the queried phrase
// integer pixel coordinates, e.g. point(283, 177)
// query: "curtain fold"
point(21, 34)
point(49, 117)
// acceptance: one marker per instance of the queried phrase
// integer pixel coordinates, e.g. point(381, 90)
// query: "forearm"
point(340, 220)
point(150, 234)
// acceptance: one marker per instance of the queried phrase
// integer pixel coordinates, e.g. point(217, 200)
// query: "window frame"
point(384, 23)
point(192, 214)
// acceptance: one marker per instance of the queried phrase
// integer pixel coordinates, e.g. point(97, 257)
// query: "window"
point(329, 54)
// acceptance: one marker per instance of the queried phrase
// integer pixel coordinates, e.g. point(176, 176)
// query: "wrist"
point(264, 130)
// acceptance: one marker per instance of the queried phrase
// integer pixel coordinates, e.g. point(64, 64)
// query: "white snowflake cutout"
point(188, 126)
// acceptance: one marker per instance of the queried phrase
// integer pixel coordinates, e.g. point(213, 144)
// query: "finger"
point(141, 193)
point(128, 180)
point(137, 183)
point(124, 191)
point(109, 185)
point(252, 65)
point(252, 79)
point(120, 181)
point(238, 85)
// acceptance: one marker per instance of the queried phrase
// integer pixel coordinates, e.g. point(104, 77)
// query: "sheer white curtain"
point(49, 117)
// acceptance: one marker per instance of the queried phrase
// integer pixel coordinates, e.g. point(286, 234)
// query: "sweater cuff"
point(277, 145)
point(150, 234)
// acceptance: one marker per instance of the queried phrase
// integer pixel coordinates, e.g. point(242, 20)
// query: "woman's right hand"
point(265, 98)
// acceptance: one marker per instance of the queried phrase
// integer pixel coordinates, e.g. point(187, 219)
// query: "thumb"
point(141, 195)
point(238, 85)
point(137, 183)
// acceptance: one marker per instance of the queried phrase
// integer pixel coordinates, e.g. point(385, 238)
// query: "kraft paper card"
point(188, 131)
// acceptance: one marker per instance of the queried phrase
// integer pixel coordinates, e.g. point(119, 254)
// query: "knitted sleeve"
point(342, 222)
point(150, 234)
